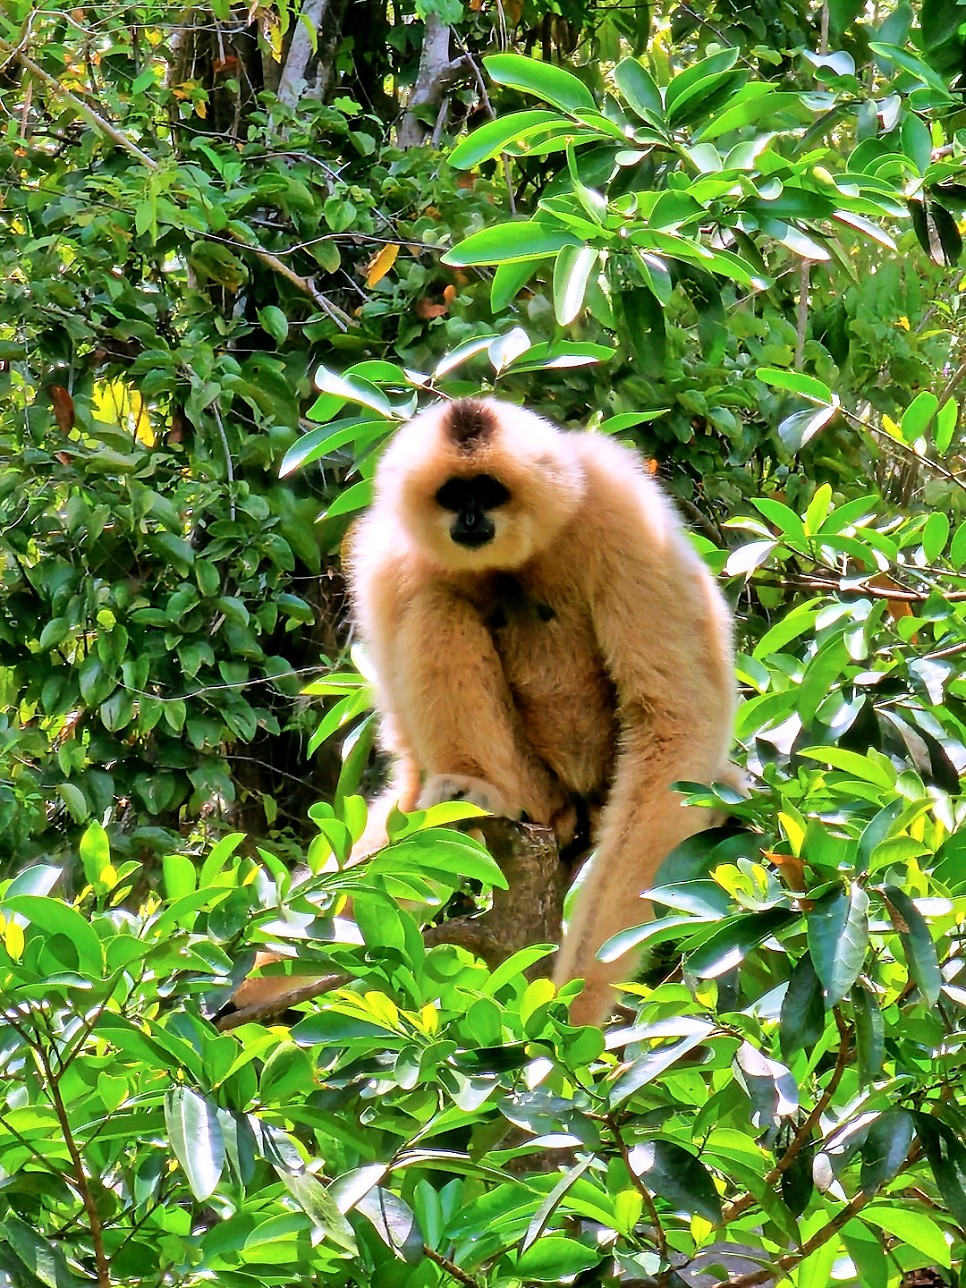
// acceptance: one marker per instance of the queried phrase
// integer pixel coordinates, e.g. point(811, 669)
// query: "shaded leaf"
point(838, 937)
point(675, 1175)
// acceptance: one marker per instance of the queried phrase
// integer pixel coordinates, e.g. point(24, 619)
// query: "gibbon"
point(547, 644)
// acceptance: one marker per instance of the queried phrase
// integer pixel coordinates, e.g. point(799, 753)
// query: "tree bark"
point(437, 73)
point(293, 80)
point(529, 911)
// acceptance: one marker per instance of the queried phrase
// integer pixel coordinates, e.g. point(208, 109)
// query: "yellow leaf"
point(113, 403)
point(381, 264)
point(13, 940)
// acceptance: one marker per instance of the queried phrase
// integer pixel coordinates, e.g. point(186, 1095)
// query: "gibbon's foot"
point(461, 787)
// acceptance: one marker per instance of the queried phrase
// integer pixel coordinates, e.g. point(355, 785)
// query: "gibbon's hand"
point(461, 787)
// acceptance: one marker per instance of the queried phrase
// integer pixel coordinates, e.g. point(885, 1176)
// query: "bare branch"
point(437, 74)
point(291, 86)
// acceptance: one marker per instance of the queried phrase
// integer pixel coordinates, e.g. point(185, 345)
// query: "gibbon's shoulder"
point(620, 493)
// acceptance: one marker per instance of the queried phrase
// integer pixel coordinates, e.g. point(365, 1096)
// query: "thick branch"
point(300, 51)
point(529, 911)
point(437, 73)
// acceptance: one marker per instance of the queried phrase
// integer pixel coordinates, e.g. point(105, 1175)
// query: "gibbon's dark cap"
point(470, 423)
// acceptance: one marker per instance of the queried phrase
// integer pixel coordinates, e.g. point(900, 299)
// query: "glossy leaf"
point(546, 81)
point(838, 939)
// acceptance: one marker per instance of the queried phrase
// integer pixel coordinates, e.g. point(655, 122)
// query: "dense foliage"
point(239, 244)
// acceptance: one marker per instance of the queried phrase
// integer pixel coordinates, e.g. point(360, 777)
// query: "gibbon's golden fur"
point(547, 644)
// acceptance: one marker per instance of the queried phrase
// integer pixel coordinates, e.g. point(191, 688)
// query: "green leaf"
point(196, 1138)
point(795, 383)
point(869, 1034)
point(838, 938)
point(751, 103)
point(935, 534)
point(946, 420)
point(554, 1259)
point(319, 1206)
point(801, 426)
point(75, 800)
point(95, 851)
point(274, 322)
point(947, 1158)
point(66, 928)
point(354, 498)
point(653, 1061)
point(491, 139)
point(727, 945)
point(355, 430)
point(803, 1010)
point(54, 633)
point(508, 281)
point(180, 878)
point(885, 1148)
point(783, 517)
point(676, 1176)
point(36, 1256)
point(352, 389)
point(916, 417)
point(915, 1228)
point(957, 551)
point(640, 92)
point(552, 84)
point(685, 83)
point(921, 956)
point(853, 762)
point(571, 271)
point(510, 243)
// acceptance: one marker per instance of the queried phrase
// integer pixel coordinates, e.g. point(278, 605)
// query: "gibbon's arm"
point(665, 633)
point(448, 698)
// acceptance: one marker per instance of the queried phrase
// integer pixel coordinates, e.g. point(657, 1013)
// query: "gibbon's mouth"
point(473, 534)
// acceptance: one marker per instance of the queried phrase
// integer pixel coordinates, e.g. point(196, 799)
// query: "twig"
point(804, 275)
point(80, 1176)
point(808, 581)
point(904, 447)
point(80, 107)
point(450, 1267)
point(660, 1238)
point(216, 412)
point(774, 1271)
point(820, 1237)
point(804, 1132)
point(951, 384)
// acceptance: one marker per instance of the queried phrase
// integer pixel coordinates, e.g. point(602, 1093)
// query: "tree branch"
point(291, 86)
point(437, 73)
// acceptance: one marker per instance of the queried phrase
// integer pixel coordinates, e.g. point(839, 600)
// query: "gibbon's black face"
point(470, 500)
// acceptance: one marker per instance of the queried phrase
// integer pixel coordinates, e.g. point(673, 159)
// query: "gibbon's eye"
point(482, 492)
point(469, 500)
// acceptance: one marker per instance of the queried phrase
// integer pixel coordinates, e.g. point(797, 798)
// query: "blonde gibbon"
point(545, 643)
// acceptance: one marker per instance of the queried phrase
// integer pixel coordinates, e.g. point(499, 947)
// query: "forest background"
point(238, 244)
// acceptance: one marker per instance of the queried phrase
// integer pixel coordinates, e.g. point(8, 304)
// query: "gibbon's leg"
point(447, 691)
point(641, 824)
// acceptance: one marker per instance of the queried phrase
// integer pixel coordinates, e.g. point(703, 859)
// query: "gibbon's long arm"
point(665, 635)
point(472, 731)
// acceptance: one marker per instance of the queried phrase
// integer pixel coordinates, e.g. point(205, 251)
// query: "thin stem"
point(904, 447)
point(660, 1238)
point(80, 1176)
point(450, 1267)
point(803, 1134)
